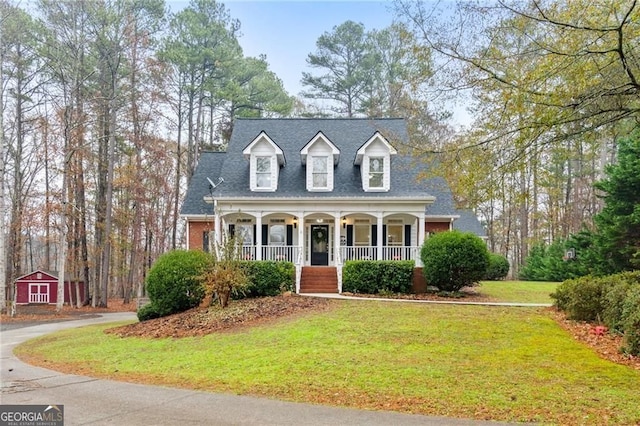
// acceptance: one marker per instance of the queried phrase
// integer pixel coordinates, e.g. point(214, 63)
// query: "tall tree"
point(202, 46)
point(69, 61)
point(251, 90)
point(4, 16)
point(550, 84)
point(345, 57)
point(22, 78)
point(618, 225)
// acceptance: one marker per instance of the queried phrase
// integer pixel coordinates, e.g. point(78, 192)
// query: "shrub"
point(453, 260)
point(173, 283)
point(498, 267)
point(360, 276)
point(581, 298)
point(148, 312)
point(615, 296)
point(631, 321)
point(614, 299)
point(395, 276)
point(268, 278)
point(375, 277)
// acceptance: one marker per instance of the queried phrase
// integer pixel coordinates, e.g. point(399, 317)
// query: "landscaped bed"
point(484, 362)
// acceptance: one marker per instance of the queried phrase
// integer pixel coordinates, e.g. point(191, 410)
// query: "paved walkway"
point(89, 401)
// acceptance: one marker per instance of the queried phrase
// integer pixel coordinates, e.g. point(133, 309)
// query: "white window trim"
point(328, 172)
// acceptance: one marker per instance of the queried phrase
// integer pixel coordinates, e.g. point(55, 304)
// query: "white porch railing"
point(358, 253)
point(387, 253)
point(400, 253)
point(275, 253)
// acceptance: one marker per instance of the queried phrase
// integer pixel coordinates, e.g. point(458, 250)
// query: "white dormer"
point(265, 159)
point(320, 156)
point(374, 159)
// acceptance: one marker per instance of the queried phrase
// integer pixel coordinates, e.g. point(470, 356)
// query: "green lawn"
point(518, 291)
point(484, 362)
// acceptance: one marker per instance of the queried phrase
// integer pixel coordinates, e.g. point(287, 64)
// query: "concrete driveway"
point(89, 401)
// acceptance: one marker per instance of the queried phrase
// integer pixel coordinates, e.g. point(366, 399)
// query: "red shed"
point(42, 287)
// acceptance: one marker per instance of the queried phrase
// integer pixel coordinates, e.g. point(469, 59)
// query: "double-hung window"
point(263, 172)
point(376, 172)
point(320, 172)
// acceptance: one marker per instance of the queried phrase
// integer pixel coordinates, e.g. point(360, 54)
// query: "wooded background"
point(107, 103)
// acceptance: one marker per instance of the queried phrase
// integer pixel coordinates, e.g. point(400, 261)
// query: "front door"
point(319, 244)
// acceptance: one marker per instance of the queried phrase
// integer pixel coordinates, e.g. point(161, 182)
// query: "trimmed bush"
point(615, 299)
point(360, 276)
point(173, 283)
point(453, 260)
point(148, 312)
point(498, 267)
point(268, 278)
point(373, 277)
point(581, 298)
point(631, 321)
point(396, 276)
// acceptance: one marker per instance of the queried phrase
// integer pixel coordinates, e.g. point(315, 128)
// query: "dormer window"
point(320, 156)
point(265, 159)
point(263, 172)
point(374, 159)
point(320, 172)
point(376, 172)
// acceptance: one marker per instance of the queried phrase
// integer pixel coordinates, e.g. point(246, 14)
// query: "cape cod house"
point(319, 192)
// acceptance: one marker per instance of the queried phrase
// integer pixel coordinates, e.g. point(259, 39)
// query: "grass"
point(509, 364)
point(518, 291)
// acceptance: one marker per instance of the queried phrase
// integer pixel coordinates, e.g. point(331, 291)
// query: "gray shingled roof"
point(291, 135)
point(468, 222)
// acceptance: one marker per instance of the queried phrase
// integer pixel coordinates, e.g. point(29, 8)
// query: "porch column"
point(336, 240)
point(421, 229)
point(259, 236)
point(301, 225)
point(217, 235)
point(421, 234)
point(380, 237)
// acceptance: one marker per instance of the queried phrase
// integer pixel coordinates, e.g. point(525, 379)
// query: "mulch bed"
point(240, 313)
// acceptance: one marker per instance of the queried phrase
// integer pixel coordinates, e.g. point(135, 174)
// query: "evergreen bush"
point(631, 321)
point(582, 298)
point(173, 284)
point(377, 277)
point(268, 278)
point(498, 268)
point(453, 260)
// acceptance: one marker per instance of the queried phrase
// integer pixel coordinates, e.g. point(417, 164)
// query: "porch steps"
point(319, 279)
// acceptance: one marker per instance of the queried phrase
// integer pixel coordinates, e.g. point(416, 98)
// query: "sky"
point(287, 31)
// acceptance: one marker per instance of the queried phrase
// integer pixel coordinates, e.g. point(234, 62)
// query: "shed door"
point(38, 293)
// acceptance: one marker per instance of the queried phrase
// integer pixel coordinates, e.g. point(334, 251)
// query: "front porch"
point(320, 239)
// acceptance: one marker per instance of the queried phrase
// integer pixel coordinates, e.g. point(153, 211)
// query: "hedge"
point(268, 278)
point(373, 277)
point(613, 300)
